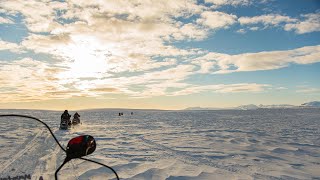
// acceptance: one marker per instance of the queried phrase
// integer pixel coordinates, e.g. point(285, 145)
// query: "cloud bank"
point(97, 48)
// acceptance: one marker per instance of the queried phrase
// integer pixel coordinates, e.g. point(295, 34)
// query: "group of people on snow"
point(121, 113)
point(66, 117)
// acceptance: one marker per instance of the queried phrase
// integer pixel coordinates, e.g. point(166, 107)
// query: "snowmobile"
point(31, 150)
point(75, 121)
point(65, 124)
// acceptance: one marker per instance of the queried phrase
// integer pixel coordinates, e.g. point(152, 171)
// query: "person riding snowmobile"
point(66, 117)
point(76, 118)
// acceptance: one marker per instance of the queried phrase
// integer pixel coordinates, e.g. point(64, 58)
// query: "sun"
point(86, 58)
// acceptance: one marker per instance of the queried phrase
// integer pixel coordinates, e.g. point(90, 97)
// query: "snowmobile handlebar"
point(68, 158)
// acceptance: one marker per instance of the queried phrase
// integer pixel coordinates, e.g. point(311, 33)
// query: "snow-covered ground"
point(222, 144)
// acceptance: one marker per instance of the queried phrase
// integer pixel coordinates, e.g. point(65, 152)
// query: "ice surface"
point(219, 144)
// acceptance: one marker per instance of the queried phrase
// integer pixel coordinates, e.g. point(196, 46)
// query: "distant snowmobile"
point(65, 124)
point(65, 120)
point(75, 121)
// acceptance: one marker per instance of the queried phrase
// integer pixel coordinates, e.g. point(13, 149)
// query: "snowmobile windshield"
point(30, 151)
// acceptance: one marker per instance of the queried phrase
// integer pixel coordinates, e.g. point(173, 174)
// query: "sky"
point(79, 54)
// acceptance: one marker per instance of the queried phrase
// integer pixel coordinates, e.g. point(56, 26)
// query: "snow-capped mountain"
point(271, 106)
point(311, 104)
point(253, 106)
point(277, 106)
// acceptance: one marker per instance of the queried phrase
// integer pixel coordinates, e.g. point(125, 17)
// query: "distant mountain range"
point(272, 106)
point(312, 104)
point(253, 106)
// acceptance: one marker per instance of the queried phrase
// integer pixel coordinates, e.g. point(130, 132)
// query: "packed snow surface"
point(151, 144)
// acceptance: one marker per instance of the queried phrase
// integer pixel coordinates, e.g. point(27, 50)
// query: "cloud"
point(13, 47)
point(28, 80)
point(169, 82)
point(128, 47)
point(224, 63)
point(175, 74)
point(241, 31)
point(280, 88)
point(54, 15)
point(306, 24)
point(254, 28)
point(182, 89)
point(32, 80)
point(39, 15)
point(117, 36)
point(135, 10)
point(92, 57)
point(49, 44)
point(311, 23)
point(104, 90)
point(269, 19)
point(306, 89)
point(190, 31)
point(222, 88)
point(229, 2)
point(145, 85)
point(216, 19)
point(205, 65)
point(5, 20)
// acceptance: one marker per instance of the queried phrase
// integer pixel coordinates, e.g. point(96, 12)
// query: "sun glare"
point(87, 58)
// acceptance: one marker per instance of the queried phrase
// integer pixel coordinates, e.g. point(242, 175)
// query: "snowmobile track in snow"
point(188, 158)
point(16, 156)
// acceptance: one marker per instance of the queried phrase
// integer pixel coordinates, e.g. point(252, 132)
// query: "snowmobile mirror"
point(80, 146)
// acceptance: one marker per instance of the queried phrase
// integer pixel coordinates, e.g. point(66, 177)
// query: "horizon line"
point(184, 109)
